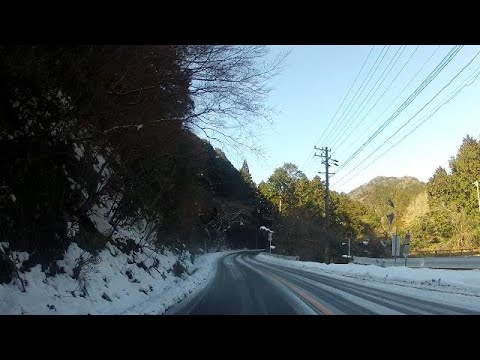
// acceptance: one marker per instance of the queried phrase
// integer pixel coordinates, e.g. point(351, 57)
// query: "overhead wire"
point(420, 123)
point(411, 118)
point(401, 92)
point(438, 69)
point(380, 97)
point(340, 106)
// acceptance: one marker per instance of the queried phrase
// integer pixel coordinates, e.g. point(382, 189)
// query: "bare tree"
point(229, 87)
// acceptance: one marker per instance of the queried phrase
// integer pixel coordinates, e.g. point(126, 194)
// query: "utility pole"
point(478, 194)
point(326, 158)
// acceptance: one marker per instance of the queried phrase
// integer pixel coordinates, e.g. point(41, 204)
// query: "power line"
point(423, 107)
point(401, 92)
point(350, 89)
point(421, 122)
point(361, 89)
point(384, 92)
point(368, 96)
point(409, 100)
point(446, 60)
point(342, 133)
point(338, 109)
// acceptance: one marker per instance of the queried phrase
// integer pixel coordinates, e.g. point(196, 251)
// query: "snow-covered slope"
point(128, 276)
point(112, 282)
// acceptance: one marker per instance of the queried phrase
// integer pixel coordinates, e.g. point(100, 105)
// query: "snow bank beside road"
point(452, 281)
point(113, 282)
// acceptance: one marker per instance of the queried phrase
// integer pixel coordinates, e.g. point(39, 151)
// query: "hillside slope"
point(377, 192)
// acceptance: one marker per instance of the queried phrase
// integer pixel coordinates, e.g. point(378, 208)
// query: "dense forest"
point(442, 215)
point(450, 219)
point(298, 218)
point(114, 130)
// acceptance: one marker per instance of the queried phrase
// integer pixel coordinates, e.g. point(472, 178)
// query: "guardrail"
point(295, 258)
point(430, 253)
point(447, 262)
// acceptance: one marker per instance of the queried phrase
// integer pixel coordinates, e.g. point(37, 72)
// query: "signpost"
point(390, 219)
point(406, 246)
point(395, 247)
point(349, 236)
point(270, 236)
point(395, 238)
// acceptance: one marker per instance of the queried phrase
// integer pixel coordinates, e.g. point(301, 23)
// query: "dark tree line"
point(451, 219)
point(86, 127)
point(298, 217)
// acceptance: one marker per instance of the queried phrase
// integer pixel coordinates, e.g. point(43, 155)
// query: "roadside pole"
point(395, 250)
point(397, 245)
point(349, 236)
point(390, 218)
point(349, 249)
point(406, 247)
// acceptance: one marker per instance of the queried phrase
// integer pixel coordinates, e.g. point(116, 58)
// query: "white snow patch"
point(20, 257)
point(451, 281)
point(100, 161)
point(72, 229)
point(3, 246)
point(110, 283)
point(79, 151)
point(266, 229)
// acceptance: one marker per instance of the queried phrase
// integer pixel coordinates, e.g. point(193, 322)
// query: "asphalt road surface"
point(245, 285)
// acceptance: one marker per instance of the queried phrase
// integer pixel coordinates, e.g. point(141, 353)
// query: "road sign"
point(390, 218)
point(270, 238)
point(395, 245)
point(407, 238)
point(406, 246)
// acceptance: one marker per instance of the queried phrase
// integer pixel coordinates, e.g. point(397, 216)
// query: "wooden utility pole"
point(326, 159)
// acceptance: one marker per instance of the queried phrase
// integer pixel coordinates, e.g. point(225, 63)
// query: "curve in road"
point(245, 285)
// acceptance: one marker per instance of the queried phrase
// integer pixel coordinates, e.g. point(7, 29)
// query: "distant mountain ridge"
point(401, 190)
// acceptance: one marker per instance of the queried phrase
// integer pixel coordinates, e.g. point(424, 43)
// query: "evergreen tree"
point(245, 173)
point(465, 170)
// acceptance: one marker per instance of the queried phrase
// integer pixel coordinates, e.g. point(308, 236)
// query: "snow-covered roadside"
point(110, 283)
point(465, 282)
point(128, 276)
point(161, 301)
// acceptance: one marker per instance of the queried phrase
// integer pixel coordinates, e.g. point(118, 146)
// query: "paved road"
point(244, 285)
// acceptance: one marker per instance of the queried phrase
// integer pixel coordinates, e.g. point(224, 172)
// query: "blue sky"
point(317, 78)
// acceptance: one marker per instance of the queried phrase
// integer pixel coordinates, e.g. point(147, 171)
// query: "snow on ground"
point(110, 283)
point(266, 229)
point(128, 276)
point(466, 282)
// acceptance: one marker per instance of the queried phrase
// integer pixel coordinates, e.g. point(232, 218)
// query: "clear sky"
point(317, 78)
